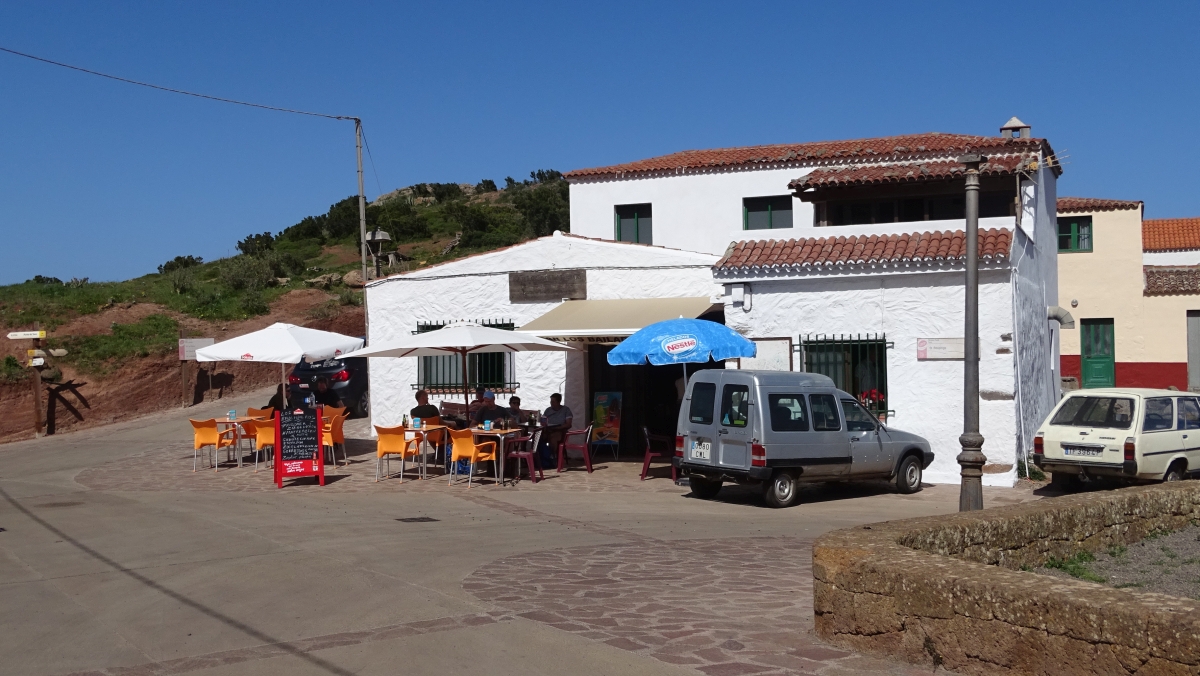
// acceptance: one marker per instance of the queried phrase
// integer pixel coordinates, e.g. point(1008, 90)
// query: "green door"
point(1097, 353)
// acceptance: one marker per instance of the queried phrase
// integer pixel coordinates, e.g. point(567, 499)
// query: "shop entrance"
point(650, 395)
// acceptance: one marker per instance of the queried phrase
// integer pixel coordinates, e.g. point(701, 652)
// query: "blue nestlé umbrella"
point(681, 341)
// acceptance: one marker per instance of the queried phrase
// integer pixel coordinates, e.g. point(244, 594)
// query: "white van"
point(1128, 433)
point(778, 429)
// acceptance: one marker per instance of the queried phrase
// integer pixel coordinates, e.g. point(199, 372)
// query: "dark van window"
point(704, 396)
point(1189, 414)
point(1085, 411)
point(1160, 415)
point(857, 417)
point(825, 413)
point(734, 407)
point(788, 413)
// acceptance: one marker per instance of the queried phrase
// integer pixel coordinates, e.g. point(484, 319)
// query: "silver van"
point(778, 428)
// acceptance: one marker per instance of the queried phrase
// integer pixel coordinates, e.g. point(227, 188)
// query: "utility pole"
point(971, 460)
point(362, 219)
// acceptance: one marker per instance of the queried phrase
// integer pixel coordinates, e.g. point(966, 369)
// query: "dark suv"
point(347, 378)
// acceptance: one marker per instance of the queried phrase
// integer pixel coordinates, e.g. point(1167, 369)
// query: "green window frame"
point(767, 213)
point(1074, 234)
point(443, 375)
point(633, 223)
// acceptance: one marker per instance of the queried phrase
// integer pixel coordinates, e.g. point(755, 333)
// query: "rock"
point(282, 281)
point(324, 281)
point(353, 279)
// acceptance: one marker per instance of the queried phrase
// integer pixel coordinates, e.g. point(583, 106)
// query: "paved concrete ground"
point(115, 558)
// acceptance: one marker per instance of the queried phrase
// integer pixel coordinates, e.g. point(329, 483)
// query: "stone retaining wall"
point(949, 590)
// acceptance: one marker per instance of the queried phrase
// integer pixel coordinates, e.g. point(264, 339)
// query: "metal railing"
point(491, 370)
point(857, 363)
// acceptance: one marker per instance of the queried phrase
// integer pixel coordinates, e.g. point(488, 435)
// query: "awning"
point(614, 319)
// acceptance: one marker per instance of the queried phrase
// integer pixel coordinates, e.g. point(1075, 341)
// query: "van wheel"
point(1176, 472)
point(908, 479)
point(1066, 483)
point(704, 488)
point(782, 490)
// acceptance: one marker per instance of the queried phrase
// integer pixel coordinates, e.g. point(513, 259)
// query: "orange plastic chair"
point(435, 437)
point(261, 413)
point(332, 437)
point(331, 412)
point(263, 434)
point(205, 433)
point(463, 447)
point(391, 442)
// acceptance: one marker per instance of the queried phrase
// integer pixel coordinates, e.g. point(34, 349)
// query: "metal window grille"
point(443, 375)
point(857, 363)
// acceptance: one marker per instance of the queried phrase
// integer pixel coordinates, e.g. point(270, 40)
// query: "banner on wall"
point(606, 418)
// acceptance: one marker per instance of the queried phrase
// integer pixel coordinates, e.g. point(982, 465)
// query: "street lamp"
point(375, 240)
point(971, 460)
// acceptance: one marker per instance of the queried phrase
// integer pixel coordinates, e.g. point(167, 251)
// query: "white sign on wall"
point(188, 347)
point(774, 354)
point(940, 348)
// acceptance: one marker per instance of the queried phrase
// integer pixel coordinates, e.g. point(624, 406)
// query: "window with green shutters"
point(633, 223)
point(767, 213)
point(1075, 233)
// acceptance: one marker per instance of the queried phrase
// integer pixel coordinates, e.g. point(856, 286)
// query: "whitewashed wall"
point(477, 288)
point(926, 395)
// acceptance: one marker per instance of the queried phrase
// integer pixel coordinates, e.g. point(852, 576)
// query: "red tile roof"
point(1170, 234)
point(1074, 205)
point(1171, 281)
point(908, 172)
point(932, 144)
point(859, 249)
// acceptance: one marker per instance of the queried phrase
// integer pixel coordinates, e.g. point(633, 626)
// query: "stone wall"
point(949, 590)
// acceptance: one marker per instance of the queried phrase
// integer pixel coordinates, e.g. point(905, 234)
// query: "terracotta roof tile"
point(908, 172)
point(859, 249)
point(1171, 281)
point(1074, 205)
point(932, 144)
point(1170, 234)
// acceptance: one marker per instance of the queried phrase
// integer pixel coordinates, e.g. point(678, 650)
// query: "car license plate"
point(1082, 451)
point(701, 450)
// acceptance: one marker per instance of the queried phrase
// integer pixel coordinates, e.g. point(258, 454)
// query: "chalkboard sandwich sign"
point(298, 451)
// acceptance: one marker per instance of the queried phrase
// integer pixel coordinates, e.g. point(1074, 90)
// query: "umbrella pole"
point(283, 384)
point(684, 365)
point(466, 386)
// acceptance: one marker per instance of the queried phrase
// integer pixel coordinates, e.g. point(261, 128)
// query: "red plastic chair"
point(566, 445)
point(525, 448)
point(669, 453)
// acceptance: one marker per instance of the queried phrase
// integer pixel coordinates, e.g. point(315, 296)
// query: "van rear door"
point(735, 423)
point(698, 419)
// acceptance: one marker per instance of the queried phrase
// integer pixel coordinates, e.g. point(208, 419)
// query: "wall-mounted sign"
point(188, 347)
point(26, 335)
point(774, 354)
point(547, 286)
point(929, 349)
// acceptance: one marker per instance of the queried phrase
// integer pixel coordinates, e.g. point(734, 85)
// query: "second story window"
point(1075, 233)
point(767, 213)
point(633, 223)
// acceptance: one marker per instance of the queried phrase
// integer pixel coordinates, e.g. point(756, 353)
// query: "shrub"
point(486, 185)
point(253, 303)
point(349, 297)
point(245, 272)
point(11, 370)
point(38, 279)
point(255, 245)
point(78, 282)
point(182, 280)
point(179, 263)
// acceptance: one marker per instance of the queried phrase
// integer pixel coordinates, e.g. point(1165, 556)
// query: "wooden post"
point(182, 374)
point(38, 425)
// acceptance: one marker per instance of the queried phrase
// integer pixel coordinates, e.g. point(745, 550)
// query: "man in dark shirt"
point(324, 394)
point(277, 402)
point(489, 410)
point(424, 410)
point(513, 412)
point(476, 403)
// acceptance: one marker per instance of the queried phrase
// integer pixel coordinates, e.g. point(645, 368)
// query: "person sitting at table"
point(277, 401)
point(424, 410)
point(557, 419)
point(513, 412)
point(489, 410)
point(476, 403)
point(325, 396)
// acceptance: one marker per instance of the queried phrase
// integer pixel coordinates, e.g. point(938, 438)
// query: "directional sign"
point(58, 352)
point(26, 335)
point(37, 361)
point(35, 353)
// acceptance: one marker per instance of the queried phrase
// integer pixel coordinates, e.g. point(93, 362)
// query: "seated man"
point(488, 411)
point(513, 412)
point(324, 395)
point(424, 410)
point(277, 401)
point(476, 403)
point(557, 420)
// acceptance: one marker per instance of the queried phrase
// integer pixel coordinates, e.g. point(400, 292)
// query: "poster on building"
point(774, 354)
point(606, 418)
point(940, 348)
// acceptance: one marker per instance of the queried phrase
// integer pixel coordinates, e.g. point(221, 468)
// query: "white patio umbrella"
point(462, 339)
point(283, 344)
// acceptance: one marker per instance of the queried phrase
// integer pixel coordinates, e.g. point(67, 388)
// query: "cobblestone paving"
point(723, 607)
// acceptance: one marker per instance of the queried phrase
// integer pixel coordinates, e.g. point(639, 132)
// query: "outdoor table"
point(422, 430)
point(500, 434)
point(237, 432)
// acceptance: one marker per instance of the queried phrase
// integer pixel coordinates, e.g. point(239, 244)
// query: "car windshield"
point(1090, 411)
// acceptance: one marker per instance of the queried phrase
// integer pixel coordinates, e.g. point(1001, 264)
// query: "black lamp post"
point(971, 460)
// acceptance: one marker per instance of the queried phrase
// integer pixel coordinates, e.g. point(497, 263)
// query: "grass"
point(1117, 551)
point(1076, 567)
point(102, 354)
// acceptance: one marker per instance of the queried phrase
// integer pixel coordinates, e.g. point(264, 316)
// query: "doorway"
point(1193, 345)
point(650, 395)
point(1097, 353)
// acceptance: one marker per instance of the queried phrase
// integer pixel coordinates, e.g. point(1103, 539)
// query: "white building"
point(844, 258)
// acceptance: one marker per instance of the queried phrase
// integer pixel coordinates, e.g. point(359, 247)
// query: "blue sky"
point(107, 180)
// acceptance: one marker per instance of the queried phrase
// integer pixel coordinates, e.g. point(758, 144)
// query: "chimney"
point(1014, 128)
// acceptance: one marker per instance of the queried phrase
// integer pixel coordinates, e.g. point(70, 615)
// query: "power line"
point(371, 158)
point(175, 91)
